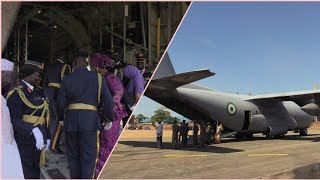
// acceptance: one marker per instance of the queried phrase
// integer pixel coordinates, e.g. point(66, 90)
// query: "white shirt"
point(142, 71)
point(159, 129)
point(29, 85)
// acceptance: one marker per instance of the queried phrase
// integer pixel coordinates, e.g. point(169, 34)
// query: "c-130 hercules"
point(270, 114)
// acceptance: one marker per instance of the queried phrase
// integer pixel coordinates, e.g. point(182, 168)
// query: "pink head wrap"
point(100, 60)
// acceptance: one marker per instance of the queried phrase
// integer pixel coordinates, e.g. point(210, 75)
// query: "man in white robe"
point(10, 158)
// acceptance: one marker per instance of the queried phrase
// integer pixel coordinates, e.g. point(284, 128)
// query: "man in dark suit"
point(79, 98)
point(29, 111)
point(51, 83)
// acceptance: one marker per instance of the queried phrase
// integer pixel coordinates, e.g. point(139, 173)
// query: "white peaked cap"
point(6, 65)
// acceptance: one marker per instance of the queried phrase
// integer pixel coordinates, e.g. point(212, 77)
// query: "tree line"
point(159, 115)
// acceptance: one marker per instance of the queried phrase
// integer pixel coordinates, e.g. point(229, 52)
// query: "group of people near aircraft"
point(180, 133)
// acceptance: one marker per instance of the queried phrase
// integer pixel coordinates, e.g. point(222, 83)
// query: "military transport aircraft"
point(270, 114)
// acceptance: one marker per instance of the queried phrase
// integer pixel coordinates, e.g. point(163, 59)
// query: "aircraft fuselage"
point(235, 113)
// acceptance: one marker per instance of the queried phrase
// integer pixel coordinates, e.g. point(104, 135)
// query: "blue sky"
point(253, 47)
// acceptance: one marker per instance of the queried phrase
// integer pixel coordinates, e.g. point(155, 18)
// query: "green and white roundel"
point(231, 108)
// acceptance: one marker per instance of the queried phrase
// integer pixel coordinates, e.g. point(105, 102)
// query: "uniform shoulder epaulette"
point(17, 88)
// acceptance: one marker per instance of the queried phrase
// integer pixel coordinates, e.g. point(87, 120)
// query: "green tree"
point(141, 117)
point(160, 115)
point(131, 120)
point(170, 120)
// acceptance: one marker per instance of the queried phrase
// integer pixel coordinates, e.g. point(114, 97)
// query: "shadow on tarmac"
point(311, 137)
point(166, 145)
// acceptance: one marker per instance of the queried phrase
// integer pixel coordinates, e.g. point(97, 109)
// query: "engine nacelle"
point(312, 109)
point(278, 130)
point(258, 124)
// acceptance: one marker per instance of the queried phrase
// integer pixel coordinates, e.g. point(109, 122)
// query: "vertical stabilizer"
point(165, 68)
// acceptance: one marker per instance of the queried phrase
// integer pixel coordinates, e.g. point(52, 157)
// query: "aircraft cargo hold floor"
point(290, 157)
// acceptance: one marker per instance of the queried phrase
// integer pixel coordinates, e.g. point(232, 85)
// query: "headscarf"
point(136, 81)
point(100, 60)
point(103, 61)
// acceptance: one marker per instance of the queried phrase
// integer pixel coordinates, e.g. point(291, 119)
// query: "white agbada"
point(10, 157)
point(11, 167)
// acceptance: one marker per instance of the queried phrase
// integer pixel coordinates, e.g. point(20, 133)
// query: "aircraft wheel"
point(304, 132)
point(249, 135)
point(279, 136)
point(268, 136)
point(239, 136)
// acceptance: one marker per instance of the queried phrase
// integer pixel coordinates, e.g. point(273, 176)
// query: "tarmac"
point(291, 156)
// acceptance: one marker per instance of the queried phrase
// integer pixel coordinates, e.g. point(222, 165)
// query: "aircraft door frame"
point(247, 120)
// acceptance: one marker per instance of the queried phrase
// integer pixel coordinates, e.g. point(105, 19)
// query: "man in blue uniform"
point(29, 111)
point(79, 97)
point(51, 83)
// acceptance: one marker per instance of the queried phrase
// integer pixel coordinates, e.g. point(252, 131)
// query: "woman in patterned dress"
point(108, 138)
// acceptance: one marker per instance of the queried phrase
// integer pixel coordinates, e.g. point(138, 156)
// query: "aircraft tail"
point(166, 77)
point(165, 68)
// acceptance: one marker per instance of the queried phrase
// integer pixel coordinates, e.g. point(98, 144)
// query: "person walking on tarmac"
point(80, 95)
point(202, 134)
point(195, 133)
point(208, 133)
point(29, 111)
point(175, 133)
point(51, 84)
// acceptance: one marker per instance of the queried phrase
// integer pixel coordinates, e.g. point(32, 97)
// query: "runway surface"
point(289, 157)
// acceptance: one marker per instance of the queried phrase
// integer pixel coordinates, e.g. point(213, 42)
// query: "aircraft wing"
point(180, 107)
point(177, 80)
point(299, 97)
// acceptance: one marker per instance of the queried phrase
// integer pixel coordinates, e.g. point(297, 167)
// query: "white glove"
point(132, 108)
point(107, 125)
point(39, 138)
point(48, 145)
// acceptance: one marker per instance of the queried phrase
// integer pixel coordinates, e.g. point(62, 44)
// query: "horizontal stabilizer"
point(177, 80)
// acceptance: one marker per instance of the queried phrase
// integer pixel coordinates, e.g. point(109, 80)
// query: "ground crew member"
point(51, 83)
point(186, 135)
point(183, 131)
point(29, 111)
point(195, 133)
point(208, 133)
point(80, 95)
point(175, 133)
point(202, 133)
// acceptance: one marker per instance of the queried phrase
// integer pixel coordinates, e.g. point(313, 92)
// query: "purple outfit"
point(136, 81)
point(108, 138)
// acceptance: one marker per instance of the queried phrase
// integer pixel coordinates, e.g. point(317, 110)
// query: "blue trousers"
point(81, 153)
